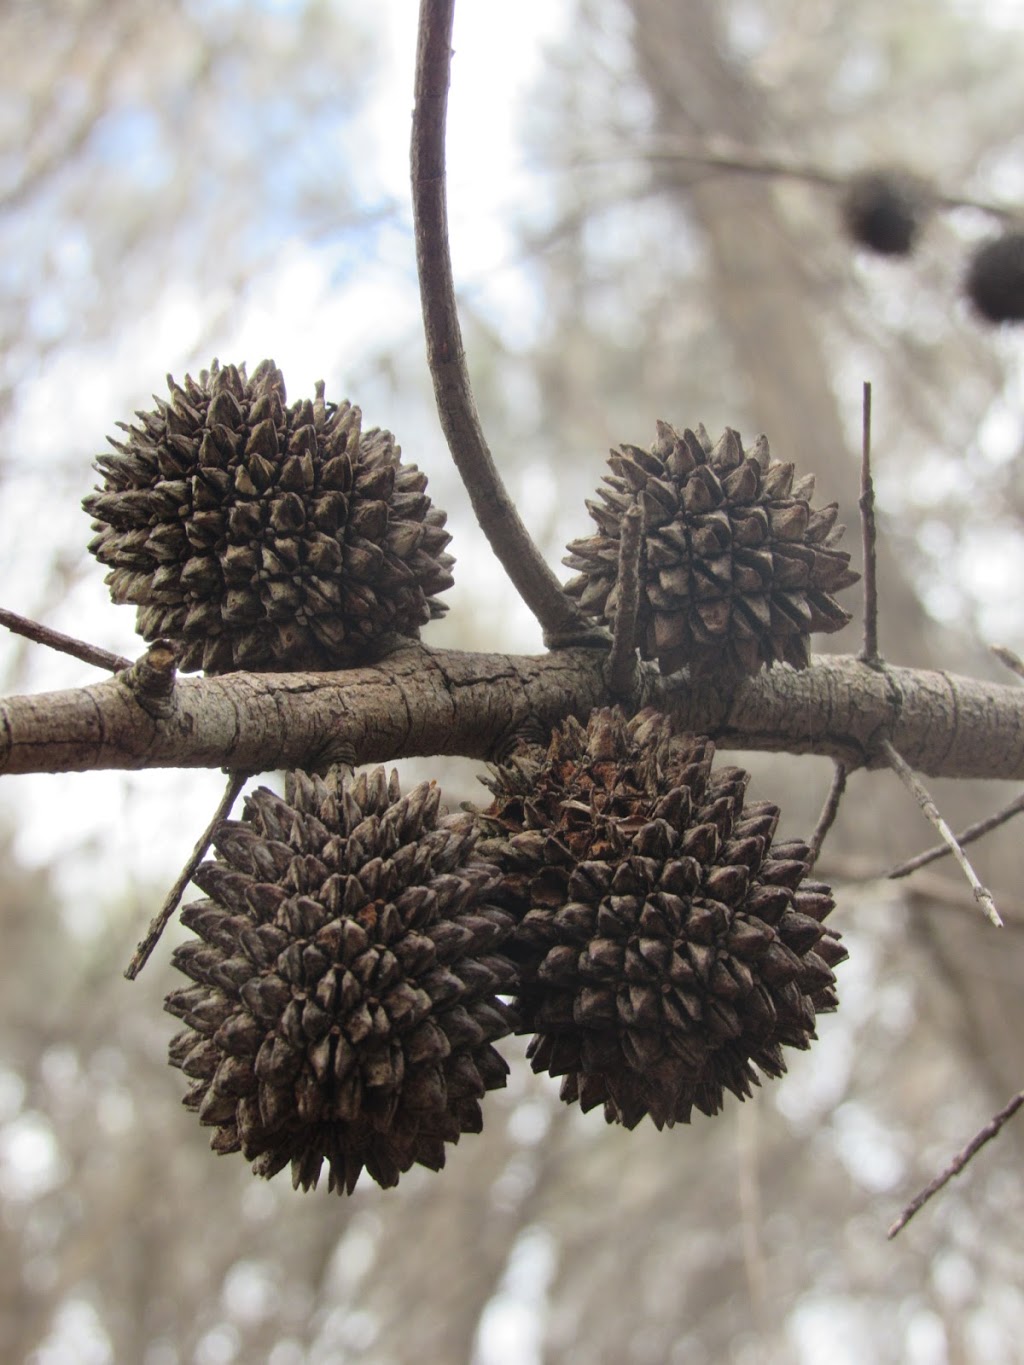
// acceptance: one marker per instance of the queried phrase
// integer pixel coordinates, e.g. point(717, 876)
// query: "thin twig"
point(494, 509)
point(966, 836)
point(63, 644)
point(742, 162)
point(914, 784)
point(1012, 661)
point(929, 891)
point(829, 811)
point(620, 669)
point(236, 781)
point(867, 520)
point(958, 1163)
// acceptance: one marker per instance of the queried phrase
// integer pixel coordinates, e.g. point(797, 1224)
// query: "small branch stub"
point(151, 679)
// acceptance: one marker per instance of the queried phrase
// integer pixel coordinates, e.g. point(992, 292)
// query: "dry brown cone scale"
point(261, 536)
point(347, 975)
point(667, 949)
point(737, 569)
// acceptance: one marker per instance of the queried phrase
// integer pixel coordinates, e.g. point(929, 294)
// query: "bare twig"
point(829, 811)
point(621, 668)
point(927, 892)
point(1012, 661)
point(966, 836)
point(63, 644)
point(739, 161)
point(867, 519)
point(958, 1163)
point(494, 509)
point(914, 784)
point(236, 781)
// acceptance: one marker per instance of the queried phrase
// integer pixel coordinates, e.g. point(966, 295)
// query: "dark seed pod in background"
point(667, 947)
point(737, 568)
point(255, 535)
point(347, 974)
point(885, 211)
point(995, 278)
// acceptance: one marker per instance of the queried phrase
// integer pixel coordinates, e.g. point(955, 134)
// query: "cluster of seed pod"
point(886, 211)
point(358, 954)
point(357, 951)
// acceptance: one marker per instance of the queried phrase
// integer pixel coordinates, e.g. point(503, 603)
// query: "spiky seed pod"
point(995, 278)
point(347, 975)
point(666, 946)
point(885, 210)
point(256, 535)
point(736, 570)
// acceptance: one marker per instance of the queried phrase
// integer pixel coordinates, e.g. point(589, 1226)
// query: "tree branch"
point(829, 811)
point(63, 644)
point(740, 160)
point(421, 701)
point(990, 1130)
point(142, 954)
point(495, 511)
point(964, 837)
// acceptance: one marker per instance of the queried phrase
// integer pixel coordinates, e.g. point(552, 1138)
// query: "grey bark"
point(423, 701)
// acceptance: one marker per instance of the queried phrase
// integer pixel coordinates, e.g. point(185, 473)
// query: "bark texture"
point(424, 701)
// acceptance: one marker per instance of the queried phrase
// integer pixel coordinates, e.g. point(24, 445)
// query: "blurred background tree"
point(226, 178)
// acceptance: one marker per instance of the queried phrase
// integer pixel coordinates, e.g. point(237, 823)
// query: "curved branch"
point(494, 509)
point(422, 701)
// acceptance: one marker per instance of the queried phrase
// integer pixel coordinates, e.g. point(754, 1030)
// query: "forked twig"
point(869, 653)
point(966, 836)
point(495, 511)
point(63, 644)
point(621, 668)
point(914, 784)
point(958, 1163)
point(236, 781)
point(829, 811)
